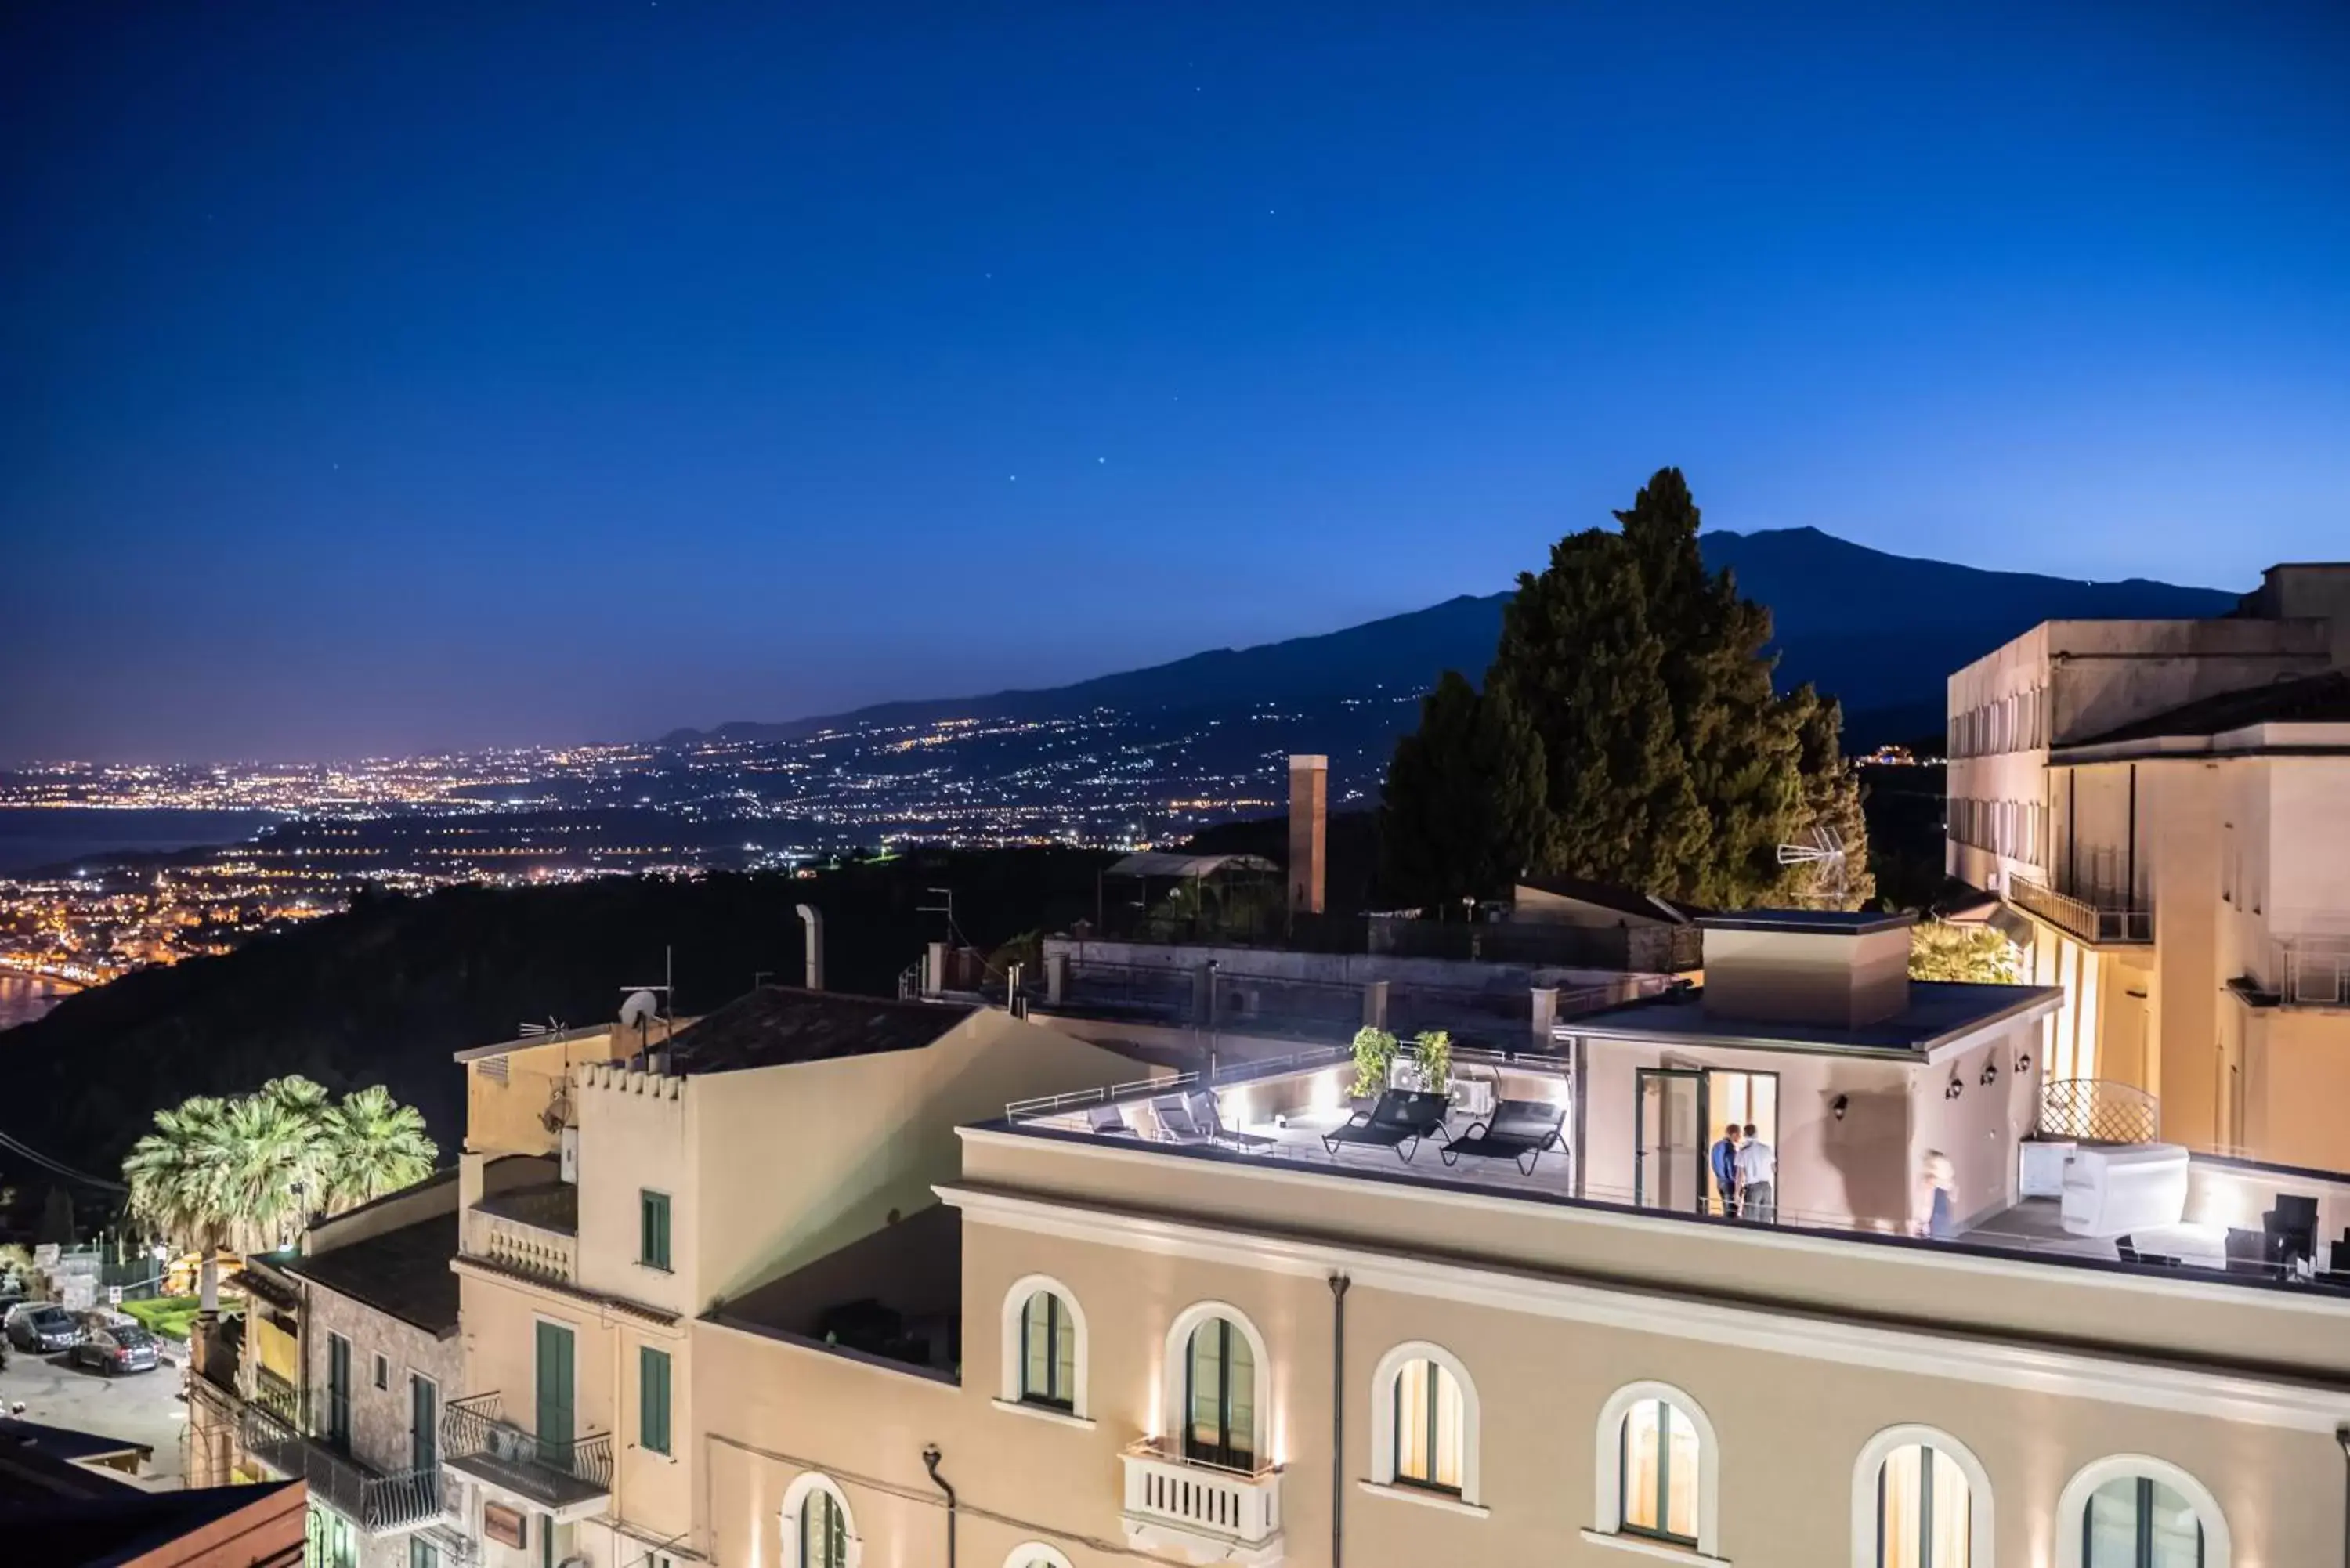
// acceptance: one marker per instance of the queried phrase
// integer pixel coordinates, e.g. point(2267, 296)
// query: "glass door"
point(338, 1392)
point(1669, 1164)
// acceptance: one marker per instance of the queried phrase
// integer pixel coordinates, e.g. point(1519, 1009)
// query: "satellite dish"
point(1823, 847)
point(639, 1010)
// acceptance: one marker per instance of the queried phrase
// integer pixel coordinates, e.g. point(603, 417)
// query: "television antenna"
point(1822, 848)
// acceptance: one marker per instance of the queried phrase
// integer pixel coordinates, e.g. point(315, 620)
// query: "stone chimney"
point(1806, 966)
point(1309, 812)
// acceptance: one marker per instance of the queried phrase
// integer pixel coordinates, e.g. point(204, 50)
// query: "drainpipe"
point(931, 1463)
point(1338, 1284)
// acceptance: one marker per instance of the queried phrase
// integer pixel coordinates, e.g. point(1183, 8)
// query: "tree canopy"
point(248, 1172)
point(1633, 688)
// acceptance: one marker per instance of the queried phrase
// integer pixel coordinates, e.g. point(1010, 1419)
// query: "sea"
point(34, 837)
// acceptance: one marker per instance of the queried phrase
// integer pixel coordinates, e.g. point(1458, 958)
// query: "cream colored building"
point(911, 1317)
point(616, 1188)
point(2167, 802)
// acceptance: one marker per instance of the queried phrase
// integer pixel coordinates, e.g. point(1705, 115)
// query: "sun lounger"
point(1399, 1121)
point(1109, 1121)
point(1519, 1131)
point(1210, 1119)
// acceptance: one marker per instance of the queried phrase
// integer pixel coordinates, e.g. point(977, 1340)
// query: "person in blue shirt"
point(1724, 1159)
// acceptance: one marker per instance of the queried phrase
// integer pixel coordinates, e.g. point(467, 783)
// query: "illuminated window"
point(1922, 1510)
point(1658, 1467)
point(1660, 1473)
point(1428, 1422)
point(1424, 1422)
point(1920, 1499)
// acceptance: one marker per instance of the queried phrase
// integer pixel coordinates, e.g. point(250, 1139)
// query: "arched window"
point(1424, 1422)
point(817, 1529)
point(1217, 1384)
point(1658, 1463)
point(1920, 1499)
point(1049, 1351)
point(2132, 1511)
point(1044, 1347)
point(1220, 1397)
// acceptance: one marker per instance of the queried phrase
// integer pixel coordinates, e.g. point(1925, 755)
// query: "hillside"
point(1880, 631)
point(387, 990)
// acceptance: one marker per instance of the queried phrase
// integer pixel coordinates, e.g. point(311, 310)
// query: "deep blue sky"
point(400, 376)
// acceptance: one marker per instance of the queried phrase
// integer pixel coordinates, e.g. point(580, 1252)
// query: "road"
point(140, 1406)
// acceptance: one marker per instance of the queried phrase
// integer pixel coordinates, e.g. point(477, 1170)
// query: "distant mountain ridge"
point(1876, 630)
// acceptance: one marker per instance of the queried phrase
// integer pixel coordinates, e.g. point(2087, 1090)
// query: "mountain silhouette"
point(1878, 631)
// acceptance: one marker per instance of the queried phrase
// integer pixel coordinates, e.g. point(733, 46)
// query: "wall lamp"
point(2022, 1063)
point(1837, 1106)
point(1991, 1072)
point(1956, 1088)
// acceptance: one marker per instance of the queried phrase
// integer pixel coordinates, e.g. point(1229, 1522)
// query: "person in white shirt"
point(1758, 1180)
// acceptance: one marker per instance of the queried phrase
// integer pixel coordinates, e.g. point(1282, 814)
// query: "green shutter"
point(652, 1399)
point(554, 1402)
point(653, 1228)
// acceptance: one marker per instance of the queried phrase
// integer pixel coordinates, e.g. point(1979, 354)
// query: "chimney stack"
point(813, 919)
point(1309, 808)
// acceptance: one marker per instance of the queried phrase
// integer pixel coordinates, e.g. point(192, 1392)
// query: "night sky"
point(404, 375)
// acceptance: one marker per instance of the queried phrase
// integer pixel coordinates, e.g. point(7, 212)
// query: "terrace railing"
point(476, 1437)
point(2103, 923)
point(378, 1501)
point(2314, 972)
point(2098, 1110)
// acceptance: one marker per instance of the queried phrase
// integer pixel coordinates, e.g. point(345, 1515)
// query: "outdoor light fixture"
point(1956, 1088)
point(2022, 1062)
point(1840, 1104)
point(1990, 1072)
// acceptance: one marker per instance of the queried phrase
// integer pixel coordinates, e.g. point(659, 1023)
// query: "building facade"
point(2162, 800)
point(871, 1285)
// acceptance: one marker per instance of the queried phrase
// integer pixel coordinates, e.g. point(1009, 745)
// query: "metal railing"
point(474, 1428)
point(2092, 922)
point(2098, 1110)
point(378, 1502)
point(2314, 972)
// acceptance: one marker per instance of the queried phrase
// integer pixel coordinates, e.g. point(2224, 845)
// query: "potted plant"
point(1433, 1049)
point(1375, 1053)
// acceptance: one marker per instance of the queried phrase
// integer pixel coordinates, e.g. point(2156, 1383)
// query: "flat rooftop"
point(1811, 922)
point(1276, 1120)
point(1939, 1013)
point(893, 1298)
point(777, 1025)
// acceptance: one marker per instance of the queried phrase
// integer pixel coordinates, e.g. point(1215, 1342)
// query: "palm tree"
point(373, 1144)
point(175, 1176)
point(272, 1175)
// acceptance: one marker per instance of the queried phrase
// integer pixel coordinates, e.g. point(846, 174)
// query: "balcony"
point(568, 1479)
point(2101, 924)
point(2314, 972)
point(1208, 1513)
point(378, 1503)
point(497, 1234)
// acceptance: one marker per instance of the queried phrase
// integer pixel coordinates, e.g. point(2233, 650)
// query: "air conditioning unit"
point(569, 1145)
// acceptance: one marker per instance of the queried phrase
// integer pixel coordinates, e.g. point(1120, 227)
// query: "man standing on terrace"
point(1758, 1180)
point(1724, 1159)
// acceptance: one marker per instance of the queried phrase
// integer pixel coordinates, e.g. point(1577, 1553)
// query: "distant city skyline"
point(522, 376)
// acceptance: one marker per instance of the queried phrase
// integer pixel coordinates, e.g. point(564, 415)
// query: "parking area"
point(139, 1407)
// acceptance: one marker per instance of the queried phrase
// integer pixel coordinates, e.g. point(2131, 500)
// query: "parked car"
point(41, 1327)
point(117, 1347)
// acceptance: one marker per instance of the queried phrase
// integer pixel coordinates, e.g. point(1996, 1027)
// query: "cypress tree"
point(1463, 809)
point(1667, 761)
